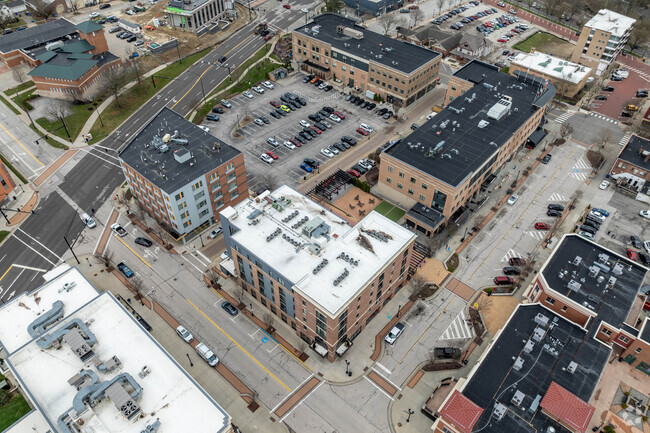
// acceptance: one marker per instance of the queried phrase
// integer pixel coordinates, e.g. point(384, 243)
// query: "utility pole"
point(71, 250)
point(25, 109)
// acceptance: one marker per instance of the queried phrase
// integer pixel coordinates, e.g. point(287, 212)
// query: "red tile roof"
point(567, 408)
point(461, 412)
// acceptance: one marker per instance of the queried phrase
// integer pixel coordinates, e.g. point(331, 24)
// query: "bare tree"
point(135, 66)
point(550, 6)
point(6, 20)
point(417, 15)
point(302, 346)
point(107, 256)
point(20, 72)
point(573, 7)
point(566, 130)
point(74, 5)
point(113, 80)
point(640, 34)
point(417, 286)
point(138, 287)
point(439, 6)
point(239, 294)
point(604, 139)
point(40, 8)
point(388, 22)
point(268, 181)
point(268, 318)
point(58, 111)
point(483, 303)
point(213, 277)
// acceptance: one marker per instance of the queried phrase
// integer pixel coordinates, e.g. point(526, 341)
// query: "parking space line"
point(238, 345)
point(253, 334)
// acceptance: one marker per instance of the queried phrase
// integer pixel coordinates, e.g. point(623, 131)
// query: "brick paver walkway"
point(383, 383)
point(107, 233)
point(54, 167)
point(19, 217)
point(461, 289)
point(286, 406)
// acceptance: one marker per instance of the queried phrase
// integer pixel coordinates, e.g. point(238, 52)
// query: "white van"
point(366, 127)
point(431, 116)
point(87, 219)
point(207, 354)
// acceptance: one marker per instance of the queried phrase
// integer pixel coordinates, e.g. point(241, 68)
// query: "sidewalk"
point(23, 198)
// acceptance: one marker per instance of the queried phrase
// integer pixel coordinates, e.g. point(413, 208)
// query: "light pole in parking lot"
point(188, 358)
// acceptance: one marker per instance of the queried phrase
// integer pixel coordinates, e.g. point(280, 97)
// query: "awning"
point(317, 66)
point(537, 136)
point(426, 216)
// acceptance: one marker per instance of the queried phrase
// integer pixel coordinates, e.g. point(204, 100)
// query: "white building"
point(602, 39)
point(566, 76)
point(87, 365)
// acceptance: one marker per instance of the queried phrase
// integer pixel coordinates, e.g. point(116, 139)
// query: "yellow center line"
point(138, 255)
point(6, 272)
point(21, 145)
point(522, 214)
point(238, 345)
point(204, 72)
point(425, 331)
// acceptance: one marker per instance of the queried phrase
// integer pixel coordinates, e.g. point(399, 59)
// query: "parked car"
point(310, 162)
point(362, 131)
point(586, 235)
point(118, 230)
point(511, 270)
point(143, 241)
point(184, 334)
point(542, 226)
point(306, 167)
point(230, 309)
point(513, 199)
point(128, 273)
point(394, 333)
point(226, 103)
point(646, 246)
point(272, 154)
point(212, 117)
point(603, 185)
point(546, 158)
point(636, 242)
point(217, 110)
point(501, 281)
point(266, 158)
point(632, 254)
point(553, 213)
point(88, 220)
point(214, 233)
point(247, 94)
point(327, 153)
point(267, 84)
point(555, 206)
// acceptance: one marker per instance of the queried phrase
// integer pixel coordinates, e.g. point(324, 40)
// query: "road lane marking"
point(195, 267)
point(21, 145)
point(30, 247)
point(30, 268)
point(378, 387)
point(209, 67)
point(138, 255)
point(384, 368)
point(41, 244)
point(238, 345)
point(6, 272)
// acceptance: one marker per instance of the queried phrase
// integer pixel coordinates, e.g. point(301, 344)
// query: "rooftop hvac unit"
point(483, 123)
point(572, 367)
point(182, 155)
point(577, 260)
point(602, 267)
point(518, 398)
point(538, 334)
point(535, 404)
point(499, 411)
point(541, 319)
point(574, 285)
point(618, 269)
point(603, 258)
point(611, 282)
point(593, 271)
point(501, 108)
point(529, 346)
point(519, 363)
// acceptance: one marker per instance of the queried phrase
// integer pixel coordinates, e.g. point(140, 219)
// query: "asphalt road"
point(39, 243)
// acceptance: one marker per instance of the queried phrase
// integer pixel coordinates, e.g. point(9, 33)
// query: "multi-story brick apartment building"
point(182, 175)
point(632, 167)
point(74, 69)
point(18, 47)
point(319, 275)
point(568, 78)
point(193, 15)
point(440, 167)
point(334, 47)
point(602, 39)
point(543, 367)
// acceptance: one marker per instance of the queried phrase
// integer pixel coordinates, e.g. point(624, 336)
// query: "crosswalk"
point(581, 170)
point(557, 197)
point(625, 139)
point(644, 75)
point(564, 117)
point(603, 117)
point(536, 234)
point(511, 254)
point(458, 329)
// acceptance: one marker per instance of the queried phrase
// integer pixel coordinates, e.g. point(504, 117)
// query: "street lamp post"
point(399, 308)
point(347, 368)
point(188, 358)
point(410, 412)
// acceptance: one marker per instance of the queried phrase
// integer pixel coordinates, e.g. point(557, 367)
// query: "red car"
point(295, 142)
point(502, 40)
point(316, 130)
point(286, 6)
point(275, 104)
point(542, 226)
point(339, 114)
point(362, 131)
point(354, 173)
point(412, 7)
point(272, 154)
point(267, 37)
point(632, 255)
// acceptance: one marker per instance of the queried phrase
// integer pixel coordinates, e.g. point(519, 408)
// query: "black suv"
point(329, 110)
point(310, 162)
point(313, 117)
point(555, 206)
point(511, 270)
point(351, 141)
point(546, 158)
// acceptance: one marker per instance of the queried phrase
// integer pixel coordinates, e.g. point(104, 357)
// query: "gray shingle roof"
point(36, 36)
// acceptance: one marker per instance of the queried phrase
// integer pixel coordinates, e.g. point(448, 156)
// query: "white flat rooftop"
point(297, 263)
point(168, 395)
point(552, 66)
point(611, 22)
point(33, 422)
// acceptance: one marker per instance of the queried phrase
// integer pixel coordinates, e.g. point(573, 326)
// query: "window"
point(401, 174)
point(412, 180)
point(343, 67)
point(179, 196)
point(390, 169)
point(230, 167)
point(550, 300)
point(182, 205)
point(638, 350)
point(199, 195)
point(564, 308)
point(321, 325)
point(187, 223)
point(185, 215)
point(422, 198)
point(424, 186)
point(399, 185)
point(606, 331)
point(389, 180)
point(201, 204)
point(410, 191)
point(214, 177)
point(624, 339)
point(234, 195)
point(203, 213)
point(197, 185)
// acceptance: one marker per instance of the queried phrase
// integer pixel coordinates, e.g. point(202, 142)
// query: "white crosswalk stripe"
point(603, 117)
point(581, 164)
point(510, 255)
point(580, 176)
point(539, 235)
point(564, 117)
point(624, 140)
point(557, 197)
point(458, 329)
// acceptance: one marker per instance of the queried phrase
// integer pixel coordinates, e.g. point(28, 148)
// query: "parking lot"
point(252, 138)
point(512, 232)
point(623, 95)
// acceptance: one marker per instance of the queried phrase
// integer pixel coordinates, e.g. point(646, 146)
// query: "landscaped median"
point(132, 99)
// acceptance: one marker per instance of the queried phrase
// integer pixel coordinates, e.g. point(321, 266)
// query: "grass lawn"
point(8, 104)
point(19, 88)
point(547, 43)
point(237, 72)
point(3, 235)
point(13, 411)
point(52, 142)
point(25, 98)
point(74, 121)
point(135, 97)
point(389, 211)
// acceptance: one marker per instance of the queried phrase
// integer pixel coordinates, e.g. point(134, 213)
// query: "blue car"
point(603, 212)
point(212, 117)
point(128, 273)
point(306, 167)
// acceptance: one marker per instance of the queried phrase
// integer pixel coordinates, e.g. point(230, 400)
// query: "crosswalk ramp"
point(603, 117)
point(458, 329)
point(564, 117)
point(557, 197)
point(625, 139)
point(511, 254)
